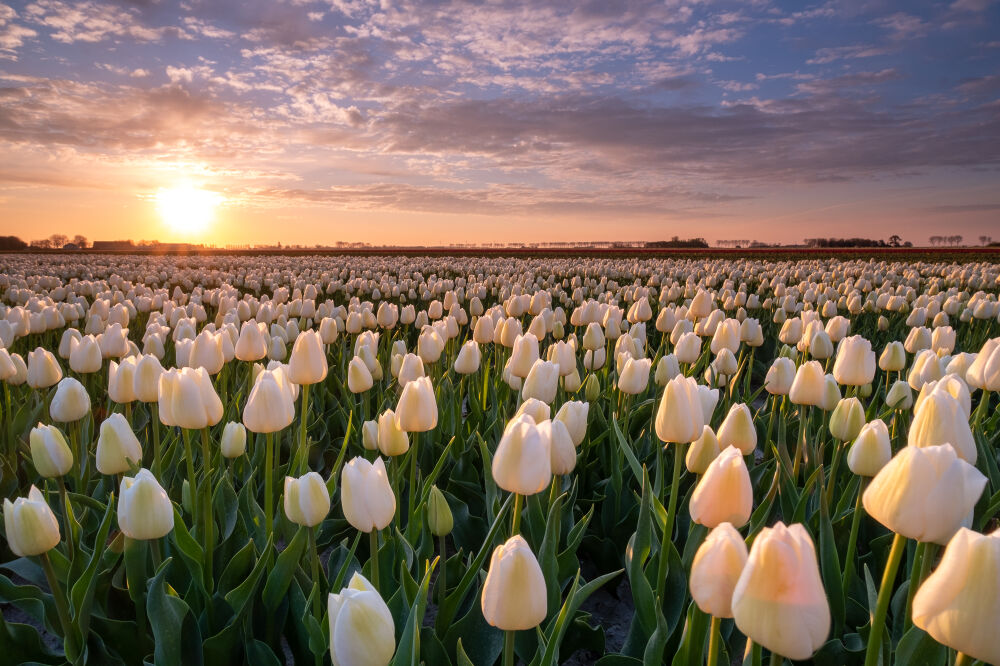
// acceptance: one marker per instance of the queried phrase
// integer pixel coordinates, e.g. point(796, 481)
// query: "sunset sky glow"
point(403, 121)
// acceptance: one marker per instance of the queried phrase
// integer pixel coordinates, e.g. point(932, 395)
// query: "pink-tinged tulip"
point(715, 570)
point(513, 597)
point(366, 496)
point(724, 494)
point(779, 601)
point(523, 460)
point(680, 417)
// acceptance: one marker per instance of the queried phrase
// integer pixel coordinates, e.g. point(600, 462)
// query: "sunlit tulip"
point(724, 493)
point(780, 376)
point(118, 448)
point(70, 403)
point(269, 407)
point(871, 450)
point(85, 356)
point(252, 344)
point(959, 604)
point(524, 355)
point(680, 417)
point(561, 448)
point(307, 364)
point(513, 596)
point(855, 364)
point(893, 357)
point(234, 440)
point(737, 430)
point(939, 419)
point(188, 399)
point(32, 528)
point(121, 381)
point(522, 462)
point(666, 369)
point(634, 377)
point(7, 367)
point(536, 409)
point(593, 337)
point(779, 601)
point(50, 454)
point(573, 414)
point(809, 386)
point(146, 380)
point(924, 493)
point(984, 373)
point(468, 359)
point(307, 501)
point(206, 352)
point(144, 510)
point(43, 369)
point(366, 496)
point(416, 410)
point(541, 382)
point(391, 440)
point(359, 378)
point(362, 631)
point(716, 569)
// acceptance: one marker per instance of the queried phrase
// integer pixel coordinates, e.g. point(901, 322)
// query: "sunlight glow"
point(187, 209)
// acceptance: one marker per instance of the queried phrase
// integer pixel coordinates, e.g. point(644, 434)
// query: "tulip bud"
point(522, 463)
point(417, 410)
point(362, 631)
point(591, 388)
point(666, 369)
point(369, 435)
point(146, 380)
point(307, 500)
point(847, 419)
point(924, 493)
point(893, 357)
point(439, 517)
point(899, 395)
point(7, 368)
point(855, 364)
point(85, 355)
point(871, 450)
point(572, 381)
point(234, 440)
point(366, 496)
point(513, 596)
point(779, 601)
point(70, 403)
point(32, 528)
point(118, 448)
point(574, 415)
point(50, 454)
point(702, 452)
point(959, 604)
point(984, 371)
point(724, 493)
point(188, 399)
point(144, 509)
point(359, 377)
point(391, 440)
point(121, 381)
point(716, 569)
point(737, 430)
point(634, 377)
point(680, 417)
point(43, 369)
point(536, 409)
point(252, 343)
point(593, 337)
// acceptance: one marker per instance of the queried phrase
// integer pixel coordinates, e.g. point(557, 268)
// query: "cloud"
point(827, 55)
point(962, 208)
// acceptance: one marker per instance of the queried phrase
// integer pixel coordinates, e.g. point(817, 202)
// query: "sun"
point(187, 209)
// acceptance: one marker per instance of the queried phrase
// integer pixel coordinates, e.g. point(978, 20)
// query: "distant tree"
point(895, 240)
point(985, 240)
point(81, 241)
point(58, 240)
point(42, 243)
point(12, 243)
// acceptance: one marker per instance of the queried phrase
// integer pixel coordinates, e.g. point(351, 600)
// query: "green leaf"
point(917, 647)
point(190, 550)
point(225, 506)
point(408, 650)
point(281, 575)
point(175, 629)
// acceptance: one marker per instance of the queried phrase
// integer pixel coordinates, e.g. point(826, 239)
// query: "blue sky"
point(402, 121)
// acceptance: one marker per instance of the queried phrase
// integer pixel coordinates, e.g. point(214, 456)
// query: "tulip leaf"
point(82, 593)
point(281, 575)
point(177, 638)
point(462, 659)
point(241, 596)
point(829, 562)
point(225, 506)
point(190, 550)
point(260, 654)
point(408, 651)
point(636, 554)
point(917, 647)
point(626, 448)
point(22, 644)
point(547, 553)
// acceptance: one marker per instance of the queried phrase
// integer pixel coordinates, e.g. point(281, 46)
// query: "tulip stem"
point(668, 528)
point(303, 446)
point(269, 484)
point(206, 489)
point(413, 475)
point(921, 568)
point(373, 546)
point(852, 542)
point(508, 648)
point(962, 659)
point(515, 523)
point(192, 479)
point(67, 511)
point(154, 424)
point(443, 576)
point(62, 606)
point(776, 659)
point(314, 567)
point(884, 597)
point(713, 641)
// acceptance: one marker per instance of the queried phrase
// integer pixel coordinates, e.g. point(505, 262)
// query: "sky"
point(409, 122)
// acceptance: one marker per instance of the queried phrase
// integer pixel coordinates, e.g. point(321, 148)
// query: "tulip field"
point(372, 460)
